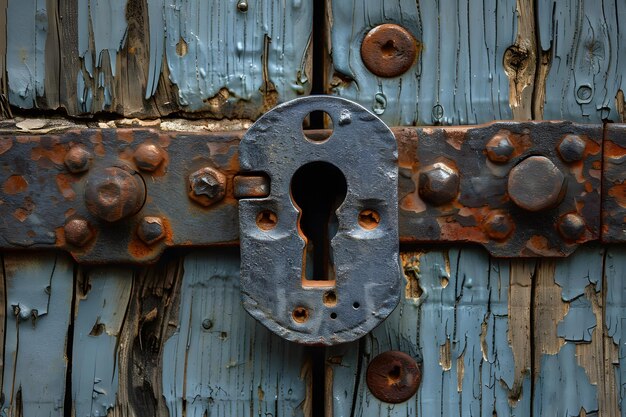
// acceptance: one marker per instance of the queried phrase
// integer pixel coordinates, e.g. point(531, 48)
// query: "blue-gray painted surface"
point(220, 362)
point(39, 293)
point(26, 29)
point(459, 76)
point(615, 315)
point(587, 63)
point(458, 326)
point(98, 319)
point(212, 46)
point(579, 323)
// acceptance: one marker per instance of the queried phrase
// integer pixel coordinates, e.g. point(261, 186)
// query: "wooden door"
point(518, 337)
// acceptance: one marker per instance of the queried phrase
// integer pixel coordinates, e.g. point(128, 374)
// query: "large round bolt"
point(536, 184)
point(77, 232)
point(207, 186)
point(113, 194)
point(498, 225)
point(438, 184)
point(572, 148)
point(77, 159)
point(571, 226)
point(499, 148)
point(389, 50)
point(151, 230)
point(393, 377)
point(148, 157)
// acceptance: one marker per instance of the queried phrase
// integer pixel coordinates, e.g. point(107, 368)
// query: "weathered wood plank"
point(583, 65)
point(102, 296)
point(459, 76)
point(221, 362)
point(39, 291)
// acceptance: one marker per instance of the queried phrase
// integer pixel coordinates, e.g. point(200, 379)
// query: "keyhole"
point(318, 189)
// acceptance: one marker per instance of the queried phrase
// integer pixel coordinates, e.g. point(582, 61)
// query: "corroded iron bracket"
point(124, 195)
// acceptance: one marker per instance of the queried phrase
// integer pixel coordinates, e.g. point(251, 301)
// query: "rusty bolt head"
point(499, 148)
point(77, 232)
point(498, 225)
point(571, 226)
point(113, 194)
point(148, 157)
point(438, 184)
point(393, 377)
point(77, 159)
point(207, 186)
point(389, 50)
point(572, 148)
point(151, 230)
point(536, 184)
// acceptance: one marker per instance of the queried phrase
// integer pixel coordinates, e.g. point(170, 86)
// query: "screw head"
point(499, 148)
point(438, 184)
point(77, 159)
point(498, 225)
point(571, 226)
point(151, 230)
point(393, 377)
point(242, 6)
point(77, 232)
point(113, 194)
point(389, 50)
point(572, 148)
point(536, 184)
point(148, 157)
point(207, 186)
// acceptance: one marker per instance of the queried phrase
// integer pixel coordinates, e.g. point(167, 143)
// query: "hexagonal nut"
point(536, 184)
point(148, 157)
point(207, 186)
point(438, 184)
point(77, 159)
point(498, 225)
point(499, 148)
point(151, 230)
point(78, 232)
point(572, 148)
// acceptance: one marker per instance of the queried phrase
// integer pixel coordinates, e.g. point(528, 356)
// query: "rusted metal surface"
point(393, 376)
point(45, 182)
point(389, 50)
point(614, 185)
point(319, 254)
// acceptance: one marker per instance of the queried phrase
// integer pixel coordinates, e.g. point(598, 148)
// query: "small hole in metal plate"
point(333, 316)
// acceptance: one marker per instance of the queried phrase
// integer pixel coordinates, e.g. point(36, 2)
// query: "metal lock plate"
point(319, 253)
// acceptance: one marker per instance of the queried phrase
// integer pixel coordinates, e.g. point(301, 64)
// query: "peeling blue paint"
point(615, 314)
point(579, 323)
point(220, 361)
point(562, 387)
point(212, 47)
point(459, 76)
point(587, 66)
point(26, 31)
point(99, 317)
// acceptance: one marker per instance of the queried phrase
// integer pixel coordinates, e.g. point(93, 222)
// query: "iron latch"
point(319, 252)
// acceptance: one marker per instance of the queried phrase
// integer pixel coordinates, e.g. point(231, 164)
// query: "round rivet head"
point(148, 157)
point(389, 50)
point(77, 232)
point(536, 184)
point(571, 226)
point(438, 184)
point(113, 194)
point(393, 377)
point(77, 159)
point(498, 225)
point(151, 230)
point(572, 148)
point(499, 148)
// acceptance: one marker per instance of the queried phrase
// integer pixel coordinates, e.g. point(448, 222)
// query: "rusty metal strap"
point(124, 195)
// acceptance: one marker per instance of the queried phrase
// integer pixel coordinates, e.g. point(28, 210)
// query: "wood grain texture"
point(459, 77)
point(39, 291)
